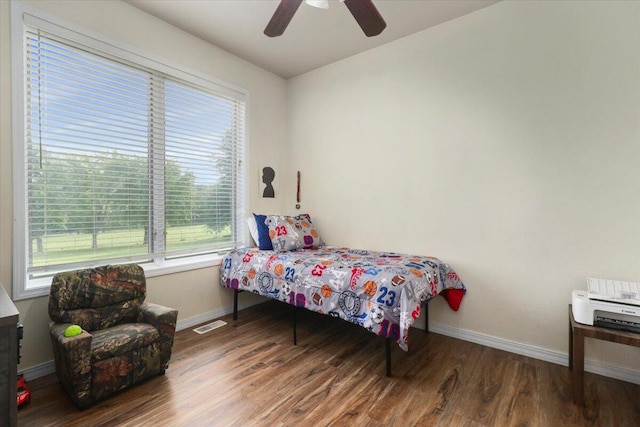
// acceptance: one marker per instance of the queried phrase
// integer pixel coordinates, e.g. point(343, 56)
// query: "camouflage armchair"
point(123, 341)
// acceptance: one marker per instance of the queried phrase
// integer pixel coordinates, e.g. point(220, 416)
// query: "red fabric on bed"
point(453, 297)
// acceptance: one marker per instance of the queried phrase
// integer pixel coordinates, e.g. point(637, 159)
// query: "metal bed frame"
point(295, 326)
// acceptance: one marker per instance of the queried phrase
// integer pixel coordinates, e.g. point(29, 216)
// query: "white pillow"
point(253, 229)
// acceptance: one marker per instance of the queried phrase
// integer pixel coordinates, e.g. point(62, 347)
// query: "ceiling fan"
point(363, 11)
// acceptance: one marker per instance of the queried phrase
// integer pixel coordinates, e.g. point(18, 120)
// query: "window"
point(121, 159)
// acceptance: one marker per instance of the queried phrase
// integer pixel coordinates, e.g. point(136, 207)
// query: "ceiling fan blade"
point(367, 16)
point(281, 17)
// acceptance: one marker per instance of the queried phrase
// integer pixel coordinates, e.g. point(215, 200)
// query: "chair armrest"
point(73, 362)
point(164, 320)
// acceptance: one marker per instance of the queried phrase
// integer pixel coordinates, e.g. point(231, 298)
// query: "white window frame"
point(23, 15)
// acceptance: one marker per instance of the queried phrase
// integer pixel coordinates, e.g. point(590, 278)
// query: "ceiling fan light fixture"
point(321, 4)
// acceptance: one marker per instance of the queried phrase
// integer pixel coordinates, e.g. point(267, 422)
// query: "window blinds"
point(123, 162)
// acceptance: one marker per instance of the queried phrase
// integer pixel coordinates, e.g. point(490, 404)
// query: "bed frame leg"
point(426, 318)
point(388, 357)
point(235, 304)
point(295, 325)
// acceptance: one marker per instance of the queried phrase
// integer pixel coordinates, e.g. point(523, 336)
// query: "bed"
point(383, 292)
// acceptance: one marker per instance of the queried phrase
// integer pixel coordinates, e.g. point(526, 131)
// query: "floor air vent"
point(209, 327)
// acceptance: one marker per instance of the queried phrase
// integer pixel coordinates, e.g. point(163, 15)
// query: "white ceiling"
point(315, 37)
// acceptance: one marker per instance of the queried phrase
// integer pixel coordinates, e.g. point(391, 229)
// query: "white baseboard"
point(207, 316)
point(38, 371)
point(559, 358)
point(200, 318)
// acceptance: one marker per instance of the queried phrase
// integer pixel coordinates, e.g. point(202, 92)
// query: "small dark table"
point(577, 334)
point(8, 360)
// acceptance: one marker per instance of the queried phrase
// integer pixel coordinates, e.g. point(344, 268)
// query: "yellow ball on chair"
point(72, 331)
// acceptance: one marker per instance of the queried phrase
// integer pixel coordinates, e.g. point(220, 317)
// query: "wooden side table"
point(577, 334)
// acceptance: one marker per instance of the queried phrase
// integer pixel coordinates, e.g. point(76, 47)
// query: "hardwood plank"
point(520, 407)
point(459, 367)
point(249, 373)
point(482, 388)
point(555, 394)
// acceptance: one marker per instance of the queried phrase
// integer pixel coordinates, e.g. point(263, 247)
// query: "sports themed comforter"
point(381, 291)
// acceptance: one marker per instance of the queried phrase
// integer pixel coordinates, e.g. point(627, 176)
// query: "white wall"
point(505, 142)
point(193, 293)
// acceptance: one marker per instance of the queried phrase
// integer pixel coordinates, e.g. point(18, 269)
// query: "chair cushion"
point(121, 339)
point(97, 298)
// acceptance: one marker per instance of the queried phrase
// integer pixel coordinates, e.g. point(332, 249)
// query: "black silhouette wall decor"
point(268, 175)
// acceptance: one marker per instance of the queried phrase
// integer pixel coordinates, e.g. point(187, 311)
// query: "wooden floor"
point(248, 373)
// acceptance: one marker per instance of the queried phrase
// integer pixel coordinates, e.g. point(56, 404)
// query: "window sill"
point(40, 287)
point(152, 269)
